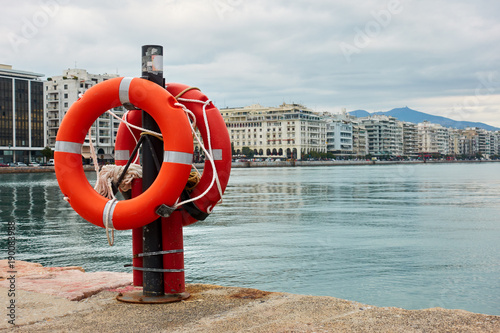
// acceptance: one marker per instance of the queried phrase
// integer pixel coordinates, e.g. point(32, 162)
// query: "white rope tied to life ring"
point(111, 173)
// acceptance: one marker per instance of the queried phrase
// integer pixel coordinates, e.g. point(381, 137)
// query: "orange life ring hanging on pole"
point(177, 157)
point(216, 141)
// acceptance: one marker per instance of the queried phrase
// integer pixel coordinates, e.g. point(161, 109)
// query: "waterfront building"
point(21, 116)
point(410, 138)
point(286, 131)
point(339, 137)
point(61, 91)
point(486, 142)
point(497, 142)
point(433, 138)
point(469, 142)
point(385, 136)
point(359, 140)
point(454, 141)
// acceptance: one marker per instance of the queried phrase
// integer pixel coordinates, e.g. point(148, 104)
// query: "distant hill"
point(413, 116)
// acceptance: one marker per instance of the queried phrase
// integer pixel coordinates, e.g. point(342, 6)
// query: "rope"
point(105, 177)
point(105, 185)
point(93, 154)
point(133, 126)
point(185, 91)
point(159, 137)
point(208, 154)
point(111, 173)
point(193, 180)
point(125, 118)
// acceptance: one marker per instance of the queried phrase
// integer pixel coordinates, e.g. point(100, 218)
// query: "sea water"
point(411, 235)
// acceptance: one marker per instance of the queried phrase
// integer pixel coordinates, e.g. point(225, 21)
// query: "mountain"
point(413, 116)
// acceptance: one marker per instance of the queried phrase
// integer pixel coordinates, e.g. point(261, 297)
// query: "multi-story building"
point(454, 141)
point(359, 140)
point(61, 91)
point(469, 142)
point(21, 116)
point(410, 138)
point(496, 144)
point(433, 138)
point(385, 136)
point(339, 137)
point(486, 141)
point(287, 131)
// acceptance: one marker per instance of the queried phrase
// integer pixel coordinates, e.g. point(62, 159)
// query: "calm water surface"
point(410, 236)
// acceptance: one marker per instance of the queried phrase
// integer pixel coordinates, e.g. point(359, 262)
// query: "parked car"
point(21, 164)
point(34, 164)
point(4, 165)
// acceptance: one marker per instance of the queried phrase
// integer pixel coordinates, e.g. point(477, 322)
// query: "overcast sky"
point(440, 57)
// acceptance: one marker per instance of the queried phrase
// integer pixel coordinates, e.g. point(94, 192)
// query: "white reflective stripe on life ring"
point(107, 214)
point(122, 155)
point(177, 157)
point(68, 147)
point(124, 89)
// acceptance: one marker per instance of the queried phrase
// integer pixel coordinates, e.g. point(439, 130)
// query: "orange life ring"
point(177, 157)
point(219, 142)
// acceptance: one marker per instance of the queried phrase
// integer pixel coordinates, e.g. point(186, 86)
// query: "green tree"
point(247, 152)
point(47, 153)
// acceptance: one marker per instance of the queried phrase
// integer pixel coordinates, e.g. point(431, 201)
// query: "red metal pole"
point(173, 260)
point(137, 237)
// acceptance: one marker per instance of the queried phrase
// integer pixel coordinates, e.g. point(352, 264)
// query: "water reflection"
point(48, 229)
point(386, 236)
point(412, 236)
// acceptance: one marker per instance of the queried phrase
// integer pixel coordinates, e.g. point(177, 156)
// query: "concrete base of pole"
point(138, 297)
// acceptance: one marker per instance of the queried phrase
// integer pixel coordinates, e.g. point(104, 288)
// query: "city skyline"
point(440, 58)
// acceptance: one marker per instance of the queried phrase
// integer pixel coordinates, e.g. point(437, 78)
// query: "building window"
point(22, 112)
point(7, 112)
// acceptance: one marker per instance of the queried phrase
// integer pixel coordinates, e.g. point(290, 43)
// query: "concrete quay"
point(66, 299)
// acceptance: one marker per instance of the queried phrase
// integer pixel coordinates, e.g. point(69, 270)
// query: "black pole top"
point(152, 63)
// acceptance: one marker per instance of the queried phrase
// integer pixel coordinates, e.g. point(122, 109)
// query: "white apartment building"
point(339, 132)
point(287, 131)
point(487, 142)
point(385, 136)
point(433, 138)
point(410, 138)
point(61, 91)
point(339, 137)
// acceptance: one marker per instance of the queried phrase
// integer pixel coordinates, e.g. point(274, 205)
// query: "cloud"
point(242, 52)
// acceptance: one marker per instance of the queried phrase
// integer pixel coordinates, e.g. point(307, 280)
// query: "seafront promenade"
point(66, 299)
point(265, 164)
